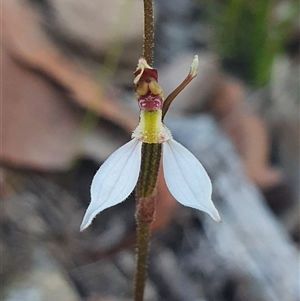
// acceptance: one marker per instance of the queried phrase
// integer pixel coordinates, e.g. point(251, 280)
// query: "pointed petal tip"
point(82, 228)
point(216, 217)
point(84, 224)
point(214, 213)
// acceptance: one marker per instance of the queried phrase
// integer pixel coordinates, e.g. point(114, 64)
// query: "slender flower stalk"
point(146, 194)
point(136, 164)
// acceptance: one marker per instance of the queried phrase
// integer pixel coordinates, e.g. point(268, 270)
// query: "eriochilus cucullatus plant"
point(135, 165)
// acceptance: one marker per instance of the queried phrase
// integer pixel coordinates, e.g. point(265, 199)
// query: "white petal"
point(115, 180)
point(186, 178)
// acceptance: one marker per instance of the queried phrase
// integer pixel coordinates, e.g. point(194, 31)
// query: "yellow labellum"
point(151, 126)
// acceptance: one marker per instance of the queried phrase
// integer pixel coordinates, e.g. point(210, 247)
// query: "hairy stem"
point(146, 198)
point(148, 44)
point(145, 189)
point(143, 235)
point(151, 153)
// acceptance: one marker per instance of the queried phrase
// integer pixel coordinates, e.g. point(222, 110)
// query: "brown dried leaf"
point(39, 125)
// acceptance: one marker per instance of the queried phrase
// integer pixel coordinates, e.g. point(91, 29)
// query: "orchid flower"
point(184, 175)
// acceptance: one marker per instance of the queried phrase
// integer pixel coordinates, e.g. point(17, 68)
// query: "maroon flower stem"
point(148, 43)
point(146, 186)
point(145, 210)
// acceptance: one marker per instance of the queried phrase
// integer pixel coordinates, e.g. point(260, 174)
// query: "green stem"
point(148, 44)
point(146, 199)
point(151, 153)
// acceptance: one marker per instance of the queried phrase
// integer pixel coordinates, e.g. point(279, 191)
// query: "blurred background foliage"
point(250, 33)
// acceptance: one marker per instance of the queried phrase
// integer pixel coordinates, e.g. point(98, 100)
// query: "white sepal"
point(115, 180)
point(186, 179)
